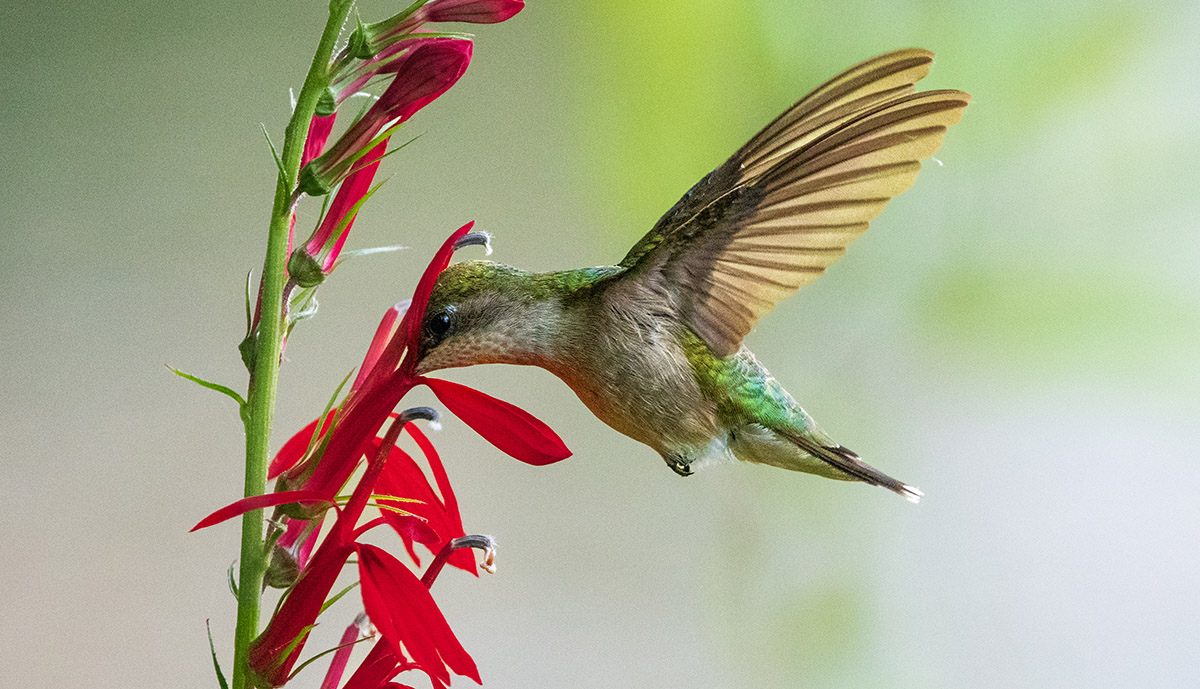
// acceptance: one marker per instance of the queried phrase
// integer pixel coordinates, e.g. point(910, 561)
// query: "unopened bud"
point(282, 569)
point(305, 270)
point(326, 103)
point(359, 44)
point(312, 183)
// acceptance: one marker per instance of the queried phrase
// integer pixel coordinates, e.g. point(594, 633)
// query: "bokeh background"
point(1019, 335)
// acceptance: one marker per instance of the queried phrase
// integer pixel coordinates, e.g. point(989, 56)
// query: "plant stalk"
point(264, 378)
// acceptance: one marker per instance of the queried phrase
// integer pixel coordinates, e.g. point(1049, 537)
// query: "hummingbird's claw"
point(679, 465)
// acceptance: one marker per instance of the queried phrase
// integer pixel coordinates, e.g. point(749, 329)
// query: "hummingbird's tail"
point(847, 461)
point(811, 451)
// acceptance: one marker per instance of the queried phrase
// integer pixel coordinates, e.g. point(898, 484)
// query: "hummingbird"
point(653, 345)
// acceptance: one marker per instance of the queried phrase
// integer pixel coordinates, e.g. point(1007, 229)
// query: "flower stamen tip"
point(428, 413)
point(489, 561)
point(478, 238)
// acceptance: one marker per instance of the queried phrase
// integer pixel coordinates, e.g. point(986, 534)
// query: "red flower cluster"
point(315, 466)
point(420, 67)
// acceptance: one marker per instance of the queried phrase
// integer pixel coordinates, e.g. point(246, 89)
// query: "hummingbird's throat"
point(529, 336)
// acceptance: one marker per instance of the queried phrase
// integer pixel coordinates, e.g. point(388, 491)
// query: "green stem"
point(265, 376)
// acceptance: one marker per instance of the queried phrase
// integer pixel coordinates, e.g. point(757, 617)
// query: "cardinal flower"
point(395, 600)
point(315, 258)
point(387, 374)
point(378, 39)
point(420, 76)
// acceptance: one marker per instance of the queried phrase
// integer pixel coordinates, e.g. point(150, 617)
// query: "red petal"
point(258, 502)
point(408, 332)
point(410, 328)
point(318, 134)
point(510, 428)
point(378, 667)
point(421, 76)
point(383, 334)
point(351, 192)
point(472, 11)
point(404, 612)
point(402, 478)
point(341, 657)
point(293, 450)
point(463, 558)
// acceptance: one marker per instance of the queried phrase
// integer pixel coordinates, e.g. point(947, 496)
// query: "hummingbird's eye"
point(438, 324)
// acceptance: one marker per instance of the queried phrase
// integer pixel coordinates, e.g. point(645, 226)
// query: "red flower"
point(421, 75)
point(383, 37)
point(318, 133)
point(311, 262)
point(388, 374)
point(405, 614)
point(319, 462)
point(341, 657)
point(435, 520)
point(472, 11)
point(385, 377)
point(398, 603)
point(378, 667)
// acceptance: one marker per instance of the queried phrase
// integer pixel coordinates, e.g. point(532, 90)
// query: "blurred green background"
point(1019, 335)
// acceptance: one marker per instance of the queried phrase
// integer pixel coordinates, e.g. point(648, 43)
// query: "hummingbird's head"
point(483, 312)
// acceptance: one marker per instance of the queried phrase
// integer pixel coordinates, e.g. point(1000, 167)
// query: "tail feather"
point(847, 461)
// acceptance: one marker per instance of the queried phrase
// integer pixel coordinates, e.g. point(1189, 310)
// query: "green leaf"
point(347, 255)
point(354, 158)
point(274, 153)
point(233, 585)
point(249, 308)
point(442, 34)
point(350, 216)
point(389, 508)
point(228, 392)
point(395, 498)
point(395, 149)
point(216, 663)
point(294, 643)
point(337, 597)
point(328, 405)
point(326, 652)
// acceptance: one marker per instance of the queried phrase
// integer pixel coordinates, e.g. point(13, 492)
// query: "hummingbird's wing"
point(783, 208)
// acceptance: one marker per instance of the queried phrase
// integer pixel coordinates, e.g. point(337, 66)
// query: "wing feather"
point(779, 212)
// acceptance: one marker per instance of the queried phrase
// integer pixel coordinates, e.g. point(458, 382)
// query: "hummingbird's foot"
point(679, 465)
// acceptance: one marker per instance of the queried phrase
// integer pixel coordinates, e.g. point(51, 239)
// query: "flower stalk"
point(315, 467)
point(264, 377)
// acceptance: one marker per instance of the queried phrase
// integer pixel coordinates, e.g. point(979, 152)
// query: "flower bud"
point(421, 75)
point(304, 269)
point(471, 11)
point(282, 569)
point(326, 103)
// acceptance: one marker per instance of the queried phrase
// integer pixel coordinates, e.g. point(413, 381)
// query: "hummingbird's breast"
point(627, 364)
